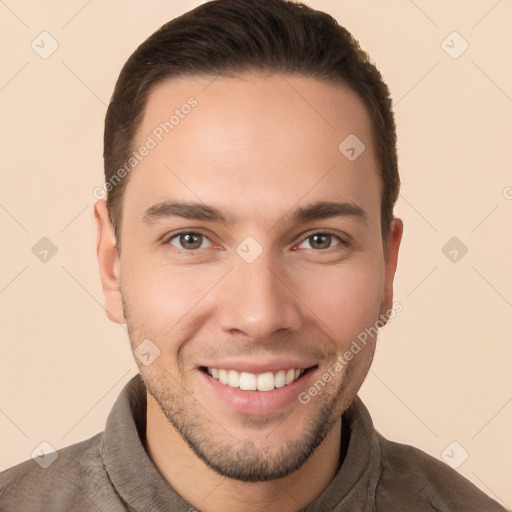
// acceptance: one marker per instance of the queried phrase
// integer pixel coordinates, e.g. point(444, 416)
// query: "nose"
point(257, 300)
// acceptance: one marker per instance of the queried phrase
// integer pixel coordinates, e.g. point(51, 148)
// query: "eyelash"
point(342, 243)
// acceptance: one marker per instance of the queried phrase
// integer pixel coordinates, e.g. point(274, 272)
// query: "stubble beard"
point(239, 459)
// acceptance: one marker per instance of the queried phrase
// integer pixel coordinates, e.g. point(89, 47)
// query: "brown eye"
point(321, 241)
point(189, 241)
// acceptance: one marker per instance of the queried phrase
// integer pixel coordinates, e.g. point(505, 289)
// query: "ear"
point(391, 259)
point(109, 264)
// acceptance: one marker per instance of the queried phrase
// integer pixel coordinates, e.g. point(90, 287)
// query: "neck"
point(208, 491)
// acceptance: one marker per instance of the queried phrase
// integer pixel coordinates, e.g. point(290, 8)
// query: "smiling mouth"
point(267, 381)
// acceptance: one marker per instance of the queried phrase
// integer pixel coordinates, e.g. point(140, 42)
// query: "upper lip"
point(257, 367)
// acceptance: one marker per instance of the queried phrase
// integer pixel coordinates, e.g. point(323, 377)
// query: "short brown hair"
point(229, 37)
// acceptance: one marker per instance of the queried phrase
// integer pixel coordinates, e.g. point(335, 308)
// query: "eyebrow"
point(204, 212)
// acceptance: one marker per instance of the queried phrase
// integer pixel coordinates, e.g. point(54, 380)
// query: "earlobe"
point(109, 263)
point(391, 260)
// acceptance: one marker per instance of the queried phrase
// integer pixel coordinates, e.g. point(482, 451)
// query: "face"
point(251, 259)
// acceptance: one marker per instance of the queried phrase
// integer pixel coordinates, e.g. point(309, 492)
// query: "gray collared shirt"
point(112, 472)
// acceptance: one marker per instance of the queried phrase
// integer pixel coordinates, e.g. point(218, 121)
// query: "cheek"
point(346, 298)
point(159, 296)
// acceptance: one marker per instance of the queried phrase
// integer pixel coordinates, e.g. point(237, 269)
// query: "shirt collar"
point(130, 469)
point(354, 486)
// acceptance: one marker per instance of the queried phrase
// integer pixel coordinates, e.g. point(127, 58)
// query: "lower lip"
point(257, 403)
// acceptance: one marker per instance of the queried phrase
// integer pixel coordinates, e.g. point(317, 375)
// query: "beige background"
point(442, 371)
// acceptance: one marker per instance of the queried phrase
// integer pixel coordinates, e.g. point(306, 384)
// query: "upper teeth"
point(251, 382)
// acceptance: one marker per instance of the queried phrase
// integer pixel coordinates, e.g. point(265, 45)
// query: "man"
point(248, 242)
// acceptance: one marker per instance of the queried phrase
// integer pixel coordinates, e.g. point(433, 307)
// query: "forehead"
point(264, 141)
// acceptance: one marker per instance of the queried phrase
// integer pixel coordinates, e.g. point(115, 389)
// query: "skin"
point(254, 148)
